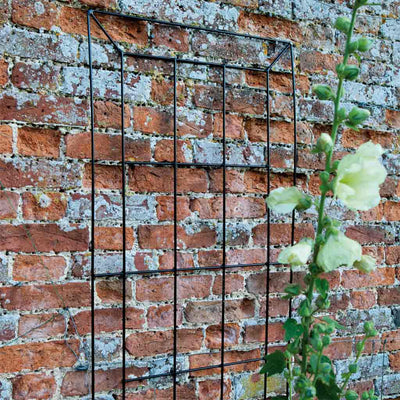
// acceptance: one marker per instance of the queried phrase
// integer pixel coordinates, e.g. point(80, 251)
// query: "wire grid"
point(223, 66)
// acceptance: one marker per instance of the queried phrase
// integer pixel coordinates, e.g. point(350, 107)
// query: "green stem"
point(349, 374)
point(290, 367)
point(328, 161)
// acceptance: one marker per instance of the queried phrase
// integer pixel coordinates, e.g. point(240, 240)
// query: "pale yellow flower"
point(367, 264)
point(284, 200)
point(298, 254)
point(358, 177)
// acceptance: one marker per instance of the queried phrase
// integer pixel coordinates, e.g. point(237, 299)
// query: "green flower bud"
point(339, 69)
point(351, 395)
point(343, 25)
point(368, 326)
point(353, 368)
point(324, 143)
point(304, 203)
point(364, 44)
point(365, 396)
point(324, 176)
point(341, 115)
point(353, 46)
point(351, 72)
point(297, 371)
point(310, 392)
point(360, 3)
point(358, 115)
point(323, 92)
point(326, 341)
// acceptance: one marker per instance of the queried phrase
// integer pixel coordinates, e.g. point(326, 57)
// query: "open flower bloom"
point(298, 254)
point(358, 177)
point(284, 200)
point(367, 264)
point(338, 251)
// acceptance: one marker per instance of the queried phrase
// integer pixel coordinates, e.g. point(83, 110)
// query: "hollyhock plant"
point(354, 181)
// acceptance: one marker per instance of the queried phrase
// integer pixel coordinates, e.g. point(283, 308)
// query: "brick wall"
point(46, 175)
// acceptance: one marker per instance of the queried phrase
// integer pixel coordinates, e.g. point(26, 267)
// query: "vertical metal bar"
point(175, 233)
point(223, 228)
point(123, 230)
point(92, 277)
point(268, 231)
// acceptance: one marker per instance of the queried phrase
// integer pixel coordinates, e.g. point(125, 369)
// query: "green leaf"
point(305, 308)
point(292, 329)
point(322, 286)
point(275, 363)
point(333, 323)
point(351, 126)
point(292, 290)
point(327, 392)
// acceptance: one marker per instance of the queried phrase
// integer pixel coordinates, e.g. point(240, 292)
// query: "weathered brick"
point(213, 336)
point(42, 14)
point(42, 237)
point(3, 72)
point(35, 76)
point(165, 208)
point(163, 316)
point(48, 206)
point(388, 296)
point(110, 238)
point(8, 204)
point(356, 279)
point(392, 255)
point(38, 268)
point(43, 325)
point(111, 291)
point(369, 234)
point(210, 389)
point(6, 139)
point(393, 118)
point(39, 142)
point(33, 386)
point(37, 355)
point(71, 294)
point(164, 151)
point(174, 38)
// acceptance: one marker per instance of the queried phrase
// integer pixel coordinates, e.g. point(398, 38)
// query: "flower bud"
point(368, 326)
point(304, 203)
point(365, 396)
point(364, 44)
point(341, 115)
point(324, 143)
point(351, 72)
point(358, 115)
point(323, 92)
point(343, 25)
point(353, 46)
point(366, 265)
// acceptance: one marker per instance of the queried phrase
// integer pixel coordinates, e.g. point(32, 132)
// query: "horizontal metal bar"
point(193, 164)
point(196, 62)
point(190, 370)
point(196, 28)
point(187, 269)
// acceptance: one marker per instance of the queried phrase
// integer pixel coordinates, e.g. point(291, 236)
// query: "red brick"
point(100, 3)
point(33, 386)
point(392, 255)
point(47, 206)
point(110, 238)
point(257, 283)
point(355, 279)
point(374, 214)
point(317, 62)
point(256, 333)
point(165, 208)
point(363, 299)
point(161, 289)
point(187, 392)
point(277, 307)
point(37, 355)
point(281, 233)
point(107, 147)
point(234, 181)
point(75, 383)
point(255, 181)
point(106, 176)
point(392, 340)
point(391, 210)
point(6, 139)
point(369, 234)
point(164, 150)
point(394, 361)
point(210, 389)
point(203, 360)
point(393, 118)
point(162, 92)
point(388, 296)
point(71, 294)
point(160, 179)
point(353, 139)
point(213, 336)
point(174, 38)
point(36, 15)
point(269, 26)
point(4, 12)
point(236, 207)
point(163, 316)
point(43, 109)
point(160, 342)
point(43, 237)
point(339, 349)
point(161, 237)
point(72, 20)
point(3, 72)
point(110, 292)
point(233, 126)
point(39, 142)
point(38, 268)
point(45, 325)
point(35, 76)
point(202, 312)
point(233, 283)
point(107, 320)
point(149, 120)
point(8, 204)
point(184, 260)
point(108, 115)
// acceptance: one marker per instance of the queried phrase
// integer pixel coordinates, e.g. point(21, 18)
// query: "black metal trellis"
point(288, 48)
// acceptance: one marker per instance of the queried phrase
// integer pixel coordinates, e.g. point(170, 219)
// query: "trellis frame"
point(288, 48)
